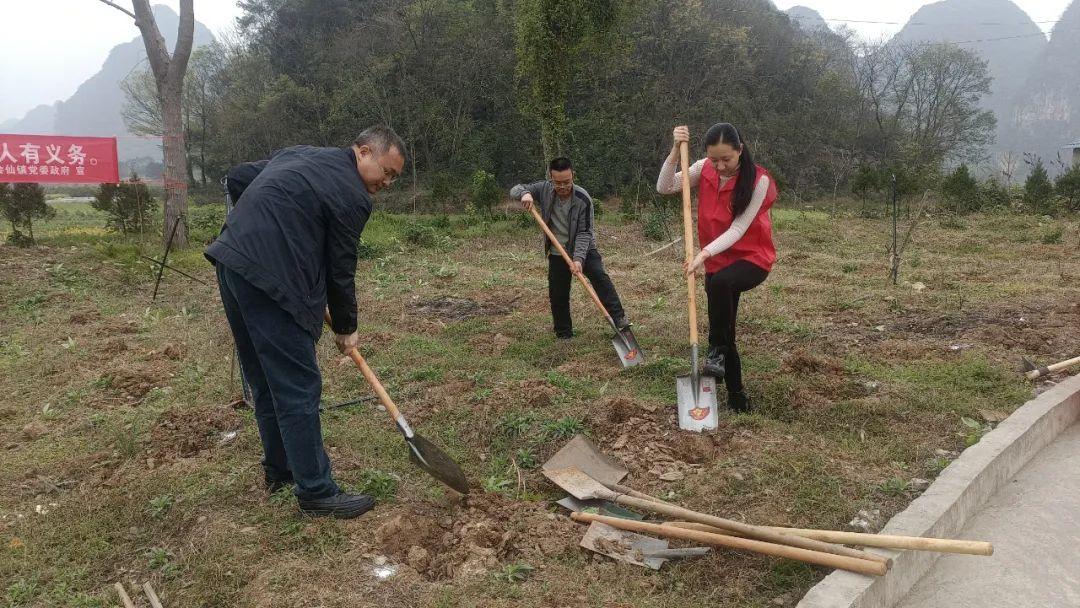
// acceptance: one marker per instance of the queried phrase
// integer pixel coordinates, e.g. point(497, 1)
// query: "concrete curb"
point(954, 497)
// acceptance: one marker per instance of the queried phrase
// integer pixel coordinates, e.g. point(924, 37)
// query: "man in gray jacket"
point(568, 211)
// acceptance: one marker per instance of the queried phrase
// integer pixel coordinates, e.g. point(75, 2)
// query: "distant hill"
point(94, 108)
point(807, 18)
point(1046, 114)
point(1009, 60)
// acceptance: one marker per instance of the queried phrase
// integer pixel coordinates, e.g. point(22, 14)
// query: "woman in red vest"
point(735, 234)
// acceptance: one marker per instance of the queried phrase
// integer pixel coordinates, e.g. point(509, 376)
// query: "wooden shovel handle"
point(372, 379)
point(688, 238)
point(569, 261)
point(883, 541)
point(842, 562)
point(758, 532)
point(1035, 373)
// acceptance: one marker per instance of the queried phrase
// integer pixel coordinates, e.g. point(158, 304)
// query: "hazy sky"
point(49, 47)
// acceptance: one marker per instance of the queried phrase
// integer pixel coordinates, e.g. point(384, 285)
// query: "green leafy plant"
point(514, 573)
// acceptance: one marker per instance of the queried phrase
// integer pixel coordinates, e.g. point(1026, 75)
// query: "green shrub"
point(485, 193)
point(1067, 187)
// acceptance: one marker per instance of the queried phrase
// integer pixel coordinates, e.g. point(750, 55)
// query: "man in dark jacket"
point(568, 211)
point(286, 254)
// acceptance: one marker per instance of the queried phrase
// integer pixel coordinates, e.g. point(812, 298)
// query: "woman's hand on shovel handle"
point(346, 342)
point(696, 265)
point(679, 135)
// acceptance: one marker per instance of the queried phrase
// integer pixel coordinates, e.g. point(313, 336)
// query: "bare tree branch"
point(119, 8)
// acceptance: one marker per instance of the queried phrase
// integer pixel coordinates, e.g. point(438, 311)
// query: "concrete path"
point(1034, 523)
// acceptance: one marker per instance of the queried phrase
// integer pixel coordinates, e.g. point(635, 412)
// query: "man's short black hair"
point(560, 163)
point(380, 139)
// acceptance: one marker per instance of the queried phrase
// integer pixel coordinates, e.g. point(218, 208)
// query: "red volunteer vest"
point(715, 217)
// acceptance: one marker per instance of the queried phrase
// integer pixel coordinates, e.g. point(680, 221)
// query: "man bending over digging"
point(286, 254)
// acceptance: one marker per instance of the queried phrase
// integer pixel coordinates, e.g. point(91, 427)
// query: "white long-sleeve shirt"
point(670, 182)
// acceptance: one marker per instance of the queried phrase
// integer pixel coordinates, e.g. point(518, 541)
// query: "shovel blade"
point(626, 344)
point(583, 455)
point(437, 463)
point(697, 412)
point(624, 546)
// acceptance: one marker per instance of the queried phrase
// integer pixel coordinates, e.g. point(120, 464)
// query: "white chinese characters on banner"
point(31, 160)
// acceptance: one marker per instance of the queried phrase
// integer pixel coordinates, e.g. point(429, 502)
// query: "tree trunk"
point(169, 76)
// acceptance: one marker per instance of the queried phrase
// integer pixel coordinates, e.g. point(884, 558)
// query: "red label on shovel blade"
point(699, 413)
point(630, 355)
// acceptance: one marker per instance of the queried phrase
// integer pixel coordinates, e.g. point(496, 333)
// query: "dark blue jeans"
point(277, 358)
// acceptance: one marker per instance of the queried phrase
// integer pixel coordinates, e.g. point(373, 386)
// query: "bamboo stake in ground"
point(124, 596)
point(154, 601)
point(851, 564)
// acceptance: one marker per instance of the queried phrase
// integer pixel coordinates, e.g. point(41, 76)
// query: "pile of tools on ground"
point(597, 498)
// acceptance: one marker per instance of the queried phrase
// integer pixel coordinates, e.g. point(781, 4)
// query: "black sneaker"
point(714, 363)
point(622, 324)
point(564, 336)
point(341, 506)
point(738, 401)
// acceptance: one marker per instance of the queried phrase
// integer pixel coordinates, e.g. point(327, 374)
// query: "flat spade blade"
point(582, 454)
point(626, 344)
point(578, 484)
point(437, 463)
point(624, 546)
point(698, 414)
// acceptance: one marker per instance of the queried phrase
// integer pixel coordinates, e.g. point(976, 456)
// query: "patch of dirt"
point(132, 384)
point(113, 346)
point(184, 432)
point(490, 344)
point(82, 318)
point(820, 380)
point(451, 308)
point(485, 531)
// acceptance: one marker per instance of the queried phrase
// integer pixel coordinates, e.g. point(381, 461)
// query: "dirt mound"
point(450, 308)
point(485, 531)
point(132, 383)
point(182, 433)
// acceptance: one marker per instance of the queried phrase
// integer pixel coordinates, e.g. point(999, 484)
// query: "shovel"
point(696, 394)
point(862, 566)
point(583, 487)
point(626, 345)
point(424, 454)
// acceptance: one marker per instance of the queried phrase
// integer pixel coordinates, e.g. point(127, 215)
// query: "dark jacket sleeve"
point(583, 242)
point(240, 177)
point(341, 240)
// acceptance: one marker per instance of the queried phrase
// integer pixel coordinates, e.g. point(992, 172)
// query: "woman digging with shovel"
point(735, 232)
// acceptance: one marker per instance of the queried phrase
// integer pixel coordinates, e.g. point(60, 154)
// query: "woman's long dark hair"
point(725, 132)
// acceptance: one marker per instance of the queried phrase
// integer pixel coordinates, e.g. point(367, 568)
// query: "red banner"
point(57, 159)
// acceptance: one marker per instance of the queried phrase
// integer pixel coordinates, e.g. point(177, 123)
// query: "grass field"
point(122, 461)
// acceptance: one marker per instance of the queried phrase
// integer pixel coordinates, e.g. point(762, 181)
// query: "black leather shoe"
point(714, 363)
point(562, 336)
point(340, 506)
point(738, 402)
point(622, 324)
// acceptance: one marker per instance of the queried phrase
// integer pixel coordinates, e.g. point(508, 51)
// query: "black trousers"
point(277, 358)
point(559, 278)
point(723, 289)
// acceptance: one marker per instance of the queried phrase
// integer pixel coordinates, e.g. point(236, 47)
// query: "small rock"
point(940, 453)
point(879, 328)
point(672, 476)
point(620, 442)
point(871, 385)
point(918, 286)
point(993, 415)
point(867, 521)
point(379, 560)
point(737, 476)
point(919, 485)
point(34, 430)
